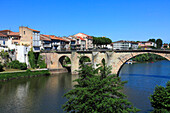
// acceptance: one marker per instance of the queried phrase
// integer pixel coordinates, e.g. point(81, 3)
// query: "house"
point(147, 44)
point(12, 38)
point(121, 45)
point(80, 43)
point(22, 53)
point(45, 42)
point(165, 46)
point(134, 45)
point(58, 43)
point(71, 43)
point(30, 37)
point(3, 42)
point(88, 40)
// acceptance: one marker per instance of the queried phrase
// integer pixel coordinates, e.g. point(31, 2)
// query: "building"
point(12, 39)
point(144, 44)
point(121, 45)
point(3, 42)
point(88, 40)
point(71, 43)
point(134, 45)
point(165, 46)
point(22, 54)
point(80, 43)
point(45, 42)
point(30, 37)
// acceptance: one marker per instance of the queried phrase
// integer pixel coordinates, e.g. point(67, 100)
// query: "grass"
point(28, 73)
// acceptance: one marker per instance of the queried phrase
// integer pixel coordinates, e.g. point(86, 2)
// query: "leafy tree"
point(32, 60)
point(159, 43)
point(160, 100)
point(152, 40)
point(101, 41)
point(17, 65)
point(1, 67)
point(97, 91)
point(5, 56)
point(84, 59)
point(41, 62)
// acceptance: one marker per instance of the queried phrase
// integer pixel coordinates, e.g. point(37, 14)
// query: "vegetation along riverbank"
point(22, 74)
point(147, 58)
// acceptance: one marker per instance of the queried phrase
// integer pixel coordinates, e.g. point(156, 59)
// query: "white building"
point(121, 45)
point(22, 54)
point(125, 45)
point(3, 42)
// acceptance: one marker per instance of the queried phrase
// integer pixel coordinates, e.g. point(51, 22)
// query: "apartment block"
point(30, 37)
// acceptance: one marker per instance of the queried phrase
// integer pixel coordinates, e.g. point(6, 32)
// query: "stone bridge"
point(116, 58)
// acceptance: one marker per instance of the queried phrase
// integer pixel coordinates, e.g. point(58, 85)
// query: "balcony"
point(55, 44)
point(47, 45)
point(36, 43)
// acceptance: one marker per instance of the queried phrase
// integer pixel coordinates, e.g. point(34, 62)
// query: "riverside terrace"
point(114, 58)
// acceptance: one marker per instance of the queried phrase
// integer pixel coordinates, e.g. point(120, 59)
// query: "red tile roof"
point(83, 34)
point(80, 38)
point(2, 35)
point(69, 39)
point(45, 37)
point(33, 30)
point(14, 34)
point(89, 37)
point(56, 38)
point(5, 30)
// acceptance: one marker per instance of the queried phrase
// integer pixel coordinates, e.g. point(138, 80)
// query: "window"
point(24, 32)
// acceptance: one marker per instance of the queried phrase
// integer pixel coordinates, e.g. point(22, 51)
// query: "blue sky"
point(116, 19)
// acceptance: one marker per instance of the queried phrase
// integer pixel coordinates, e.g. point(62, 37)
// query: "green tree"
point(97, 91)
point(5, 56)
point(41, 62)
point(32, 59)
point(160, 100)
point(152, 40)
point(159, 43)
point(99, 41)
point(1, 67)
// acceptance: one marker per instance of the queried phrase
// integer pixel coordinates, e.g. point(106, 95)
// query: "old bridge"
point(116, 59)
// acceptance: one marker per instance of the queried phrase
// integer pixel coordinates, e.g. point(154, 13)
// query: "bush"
point(1, 67)
point(28, 73)
point(41, 62)
point(31, 57)
point(17, 65)
point(160, 100)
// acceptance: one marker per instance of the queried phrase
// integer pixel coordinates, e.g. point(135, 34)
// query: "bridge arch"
point(64, 61)
point(126, 58)
point(84, 59)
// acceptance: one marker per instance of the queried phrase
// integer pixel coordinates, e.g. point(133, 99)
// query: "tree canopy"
point(101, 41)
point(159, 43)
point(160, 100)
point(152, 40)
point(97, 91)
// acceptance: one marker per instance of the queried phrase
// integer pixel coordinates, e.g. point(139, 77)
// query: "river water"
point(45, 94)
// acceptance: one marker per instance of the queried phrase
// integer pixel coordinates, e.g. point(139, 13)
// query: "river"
point(45, 94)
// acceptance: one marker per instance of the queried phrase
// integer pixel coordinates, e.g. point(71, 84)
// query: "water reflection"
point(142, 79)
point(45, 94)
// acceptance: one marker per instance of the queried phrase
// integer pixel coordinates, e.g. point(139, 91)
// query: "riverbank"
point(5, 76)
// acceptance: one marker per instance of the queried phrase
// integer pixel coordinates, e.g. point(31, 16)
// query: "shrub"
point(31, 57)
point(17, 65)
point(1, 67)
point(160, 100)
point(41, 62)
